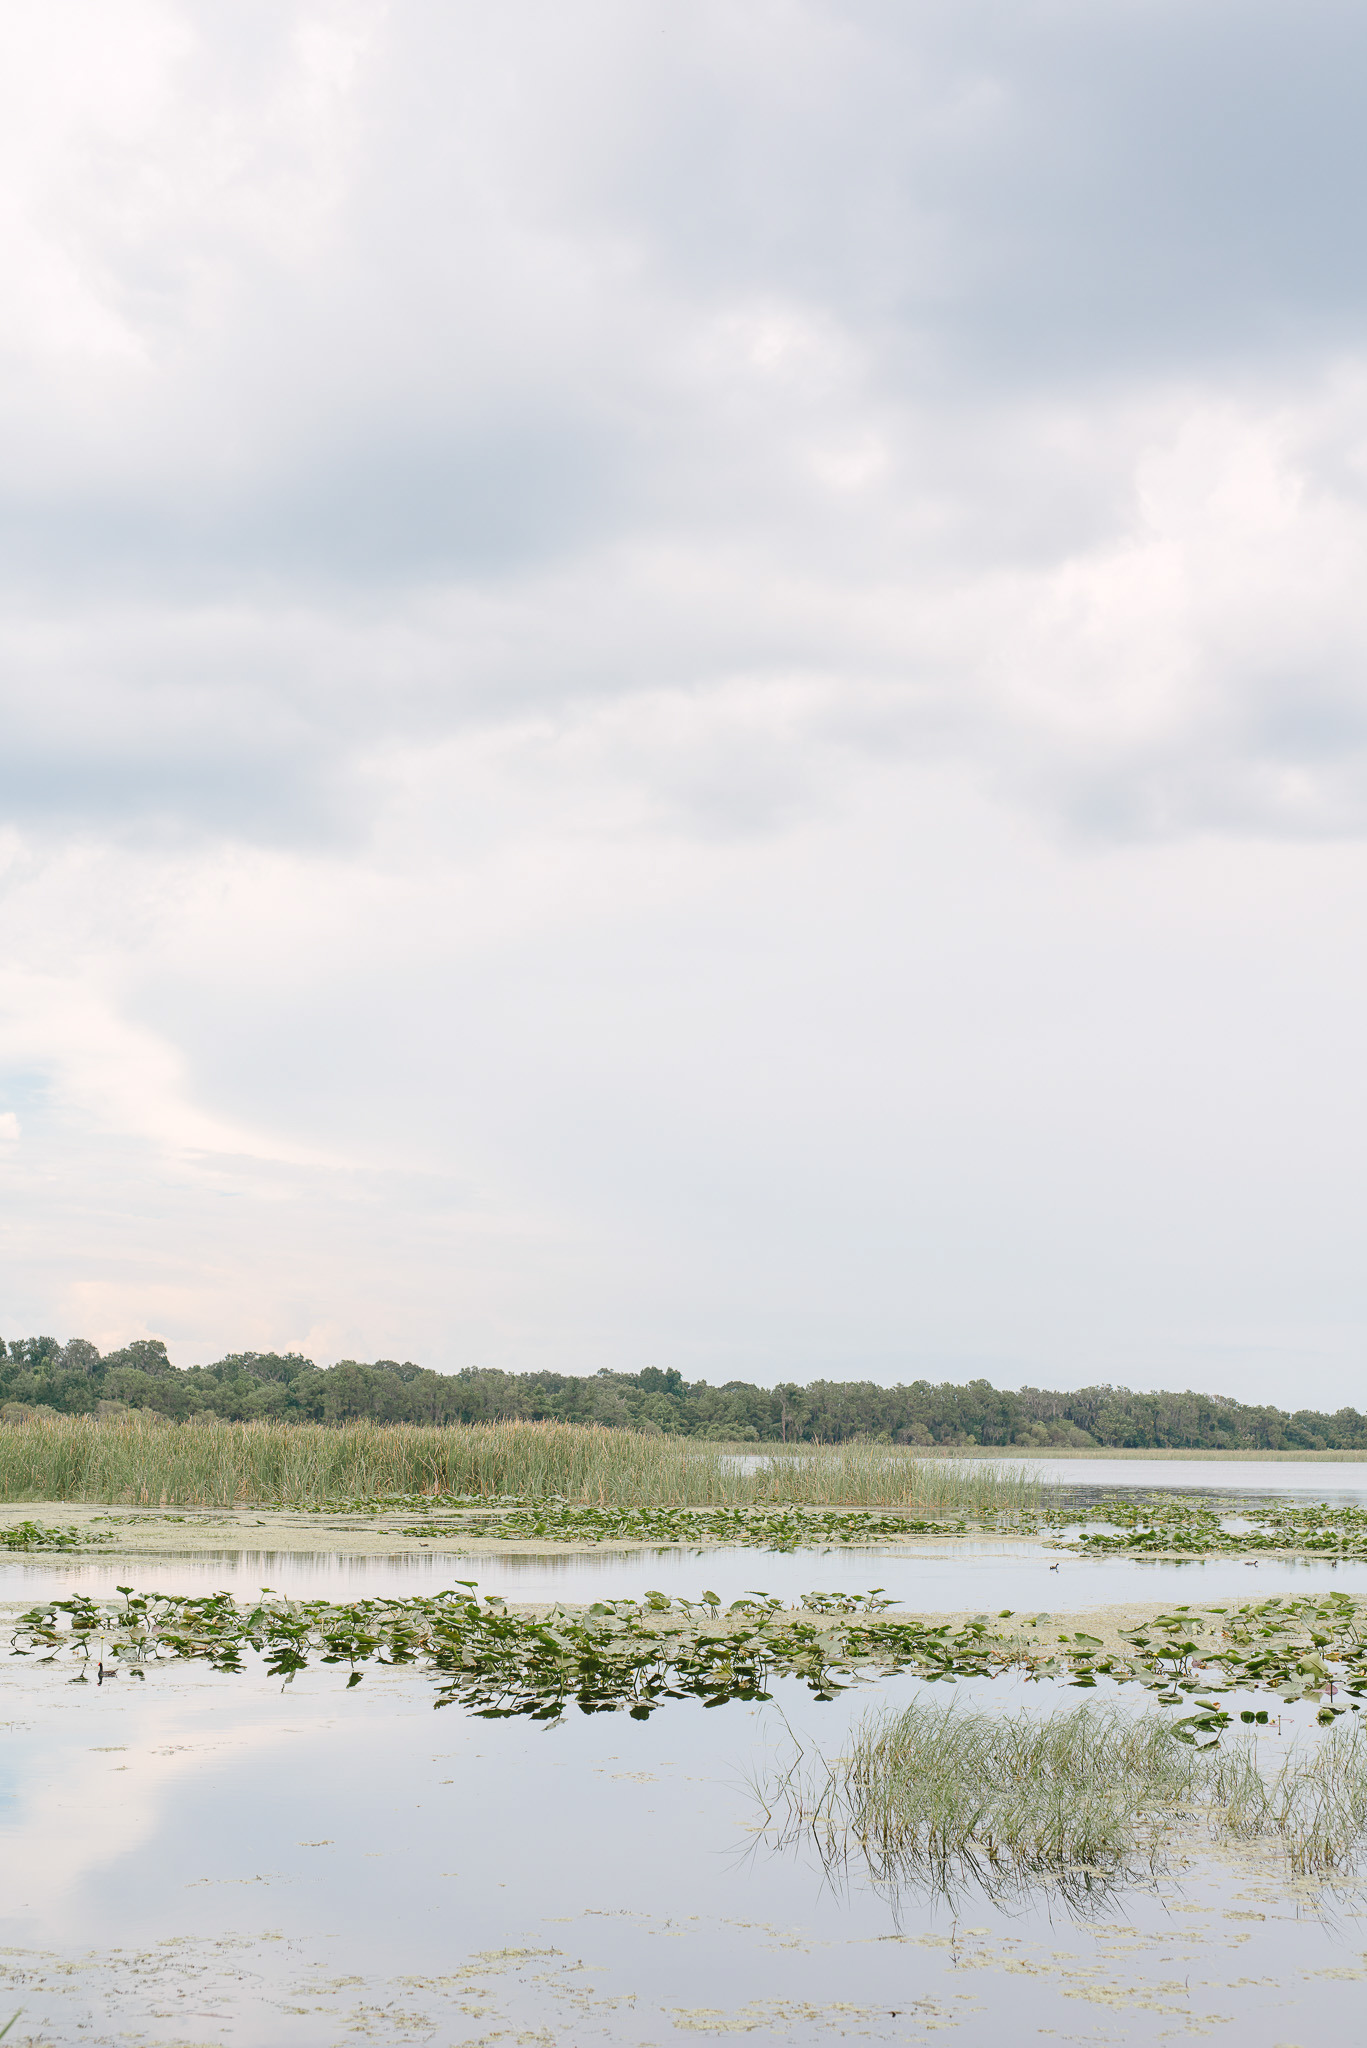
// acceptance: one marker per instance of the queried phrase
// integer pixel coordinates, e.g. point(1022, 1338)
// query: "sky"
point(687, 686)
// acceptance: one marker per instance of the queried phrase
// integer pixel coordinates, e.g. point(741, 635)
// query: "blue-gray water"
point(1343, 1485)
point(966, 1573)
point(1342, 1482)
point(212, 1860)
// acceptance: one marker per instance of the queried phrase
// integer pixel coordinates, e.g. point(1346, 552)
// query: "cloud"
point(573, 582)
point(377, 377)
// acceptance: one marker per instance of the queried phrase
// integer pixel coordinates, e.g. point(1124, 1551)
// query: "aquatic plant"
point(620, 1654)
point(1164, 1526)
point(635, 1654)
point(789, 1527)
point(1161, 1526)
point(1300, 1648)
point(934, 1796)
point(1169, 1525)
point(71, 1457)
point(37, 1536)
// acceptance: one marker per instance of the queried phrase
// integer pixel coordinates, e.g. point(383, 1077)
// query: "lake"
point(942, 1578)
point(219, 1861)
point(1343, 1485)
point(210, 1860)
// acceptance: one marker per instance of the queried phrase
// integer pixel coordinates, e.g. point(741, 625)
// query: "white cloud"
point(575, 585)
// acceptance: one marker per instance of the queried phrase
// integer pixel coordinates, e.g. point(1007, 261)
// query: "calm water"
point(1344, 1485)
point(210, 1860)
point(986, 1575)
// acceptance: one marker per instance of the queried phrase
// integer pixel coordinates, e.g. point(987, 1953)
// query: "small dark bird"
point(1053, 1567)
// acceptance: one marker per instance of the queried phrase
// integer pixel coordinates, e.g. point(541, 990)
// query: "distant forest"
point(38, 1375)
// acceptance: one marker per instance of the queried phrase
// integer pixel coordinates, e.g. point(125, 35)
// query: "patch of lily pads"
point(633, 1656)
point(1160, 1525)
point(781, 1527)
point(1201, 1528)
point(38, 1536)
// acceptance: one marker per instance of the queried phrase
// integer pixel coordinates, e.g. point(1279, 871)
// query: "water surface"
point(979, 1574)
point(211, 1860)
point(1342, 1485)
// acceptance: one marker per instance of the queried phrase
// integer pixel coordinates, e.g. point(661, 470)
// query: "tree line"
point(38, 1374)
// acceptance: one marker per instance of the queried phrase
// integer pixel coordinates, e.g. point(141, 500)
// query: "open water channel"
point(211, 1859)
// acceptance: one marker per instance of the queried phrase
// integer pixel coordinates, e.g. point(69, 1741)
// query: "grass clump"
point(935, 1797)
point(72, 1457)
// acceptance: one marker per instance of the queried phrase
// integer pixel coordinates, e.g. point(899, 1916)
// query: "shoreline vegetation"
point(566, 1482)
point(138, 1461)
point(39, 1376)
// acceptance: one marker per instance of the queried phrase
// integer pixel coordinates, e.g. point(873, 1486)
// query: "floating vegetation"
point(621, 1654)
point(34, 1536)
point(634, 1655)
point(71, 1457)
point(785, 1527)
point(1299, 1648)
point(1172, 1526)
point(933, 1797)
point(1158, 1527)
point(1161, 1526)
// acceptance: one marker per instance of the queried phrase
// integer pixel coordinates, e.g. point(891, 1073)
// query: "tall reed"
point(157, 1464)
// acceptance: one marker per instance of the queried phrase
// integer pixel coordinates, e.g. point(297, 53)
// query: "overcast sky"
point(688, 685)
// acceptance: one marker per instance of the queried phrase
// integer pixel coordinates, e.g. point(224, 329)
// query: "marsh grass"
point(71, 1457)
point(935, 1797)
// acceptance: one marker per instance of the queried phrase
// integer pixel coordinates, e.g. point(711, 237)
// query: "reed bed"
point(145, 1463)
point(935, 1796)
